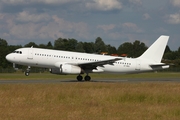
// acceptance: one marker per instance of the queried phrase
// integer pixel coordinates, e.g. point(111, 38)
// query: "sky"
point(115, 21)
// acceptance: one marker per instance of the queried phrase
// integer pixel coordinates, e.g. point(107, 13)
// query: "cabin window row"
point(37, 54)
point(123, 63)
point(56, 56)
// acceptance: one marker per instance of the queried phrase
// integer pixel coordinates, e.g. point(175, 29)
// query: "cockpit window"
point(18, 52)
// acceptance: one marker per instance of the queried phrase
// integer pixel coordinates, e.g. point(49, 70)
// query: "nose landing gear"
point(27, 71)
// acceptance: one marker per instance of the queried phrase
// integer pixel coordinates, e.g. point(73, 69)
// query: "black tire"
point(27, 73)
point(87, 78)
point(79, 78)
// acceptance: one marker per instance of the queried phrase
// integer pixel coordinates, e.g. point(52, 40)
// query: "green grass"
point(48, 76)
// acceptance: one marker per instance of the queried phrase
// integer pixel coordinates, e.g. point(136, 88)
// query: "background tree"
point(138, 48)
point(65, 44)
point(178, 53)
point(126, 48)
point(60, 43)
point(3, 42)
point(3, 52)
point(49, 45)
point(167, 50)
point(100, 45)
point(42, 46)
point(111, 49)
point(89, 47)
point(79, 47)
point(168, 55)
point(134, 49)
point(71, 45)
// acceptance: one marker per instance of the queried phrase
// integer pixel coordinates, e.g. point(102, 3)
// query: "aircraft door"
point(138, 65)
point(30, 54)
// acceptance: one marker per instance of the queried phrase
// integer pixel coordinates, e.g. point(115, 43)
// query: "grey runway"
point(130, 80)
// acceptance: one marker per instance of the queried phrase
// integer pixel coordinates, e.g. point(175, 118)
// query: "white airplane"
point(63, 62)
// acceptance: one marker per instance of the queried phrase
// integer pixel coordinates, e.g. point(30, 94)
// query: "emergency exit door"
point(30, 54)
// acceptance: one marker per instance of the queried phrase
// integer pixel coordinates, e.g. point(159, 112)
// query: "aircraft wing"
point(93, 65)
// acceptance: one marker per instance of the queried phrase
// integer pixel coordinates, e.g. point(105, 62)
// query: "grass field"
point(90, 101)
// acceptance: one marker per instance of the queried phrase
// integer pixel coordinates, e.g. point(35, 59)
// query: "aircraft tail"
point(156, 50)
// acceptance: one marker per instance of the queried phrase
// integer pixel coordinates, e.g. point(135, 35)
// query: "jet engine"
point(66, 69)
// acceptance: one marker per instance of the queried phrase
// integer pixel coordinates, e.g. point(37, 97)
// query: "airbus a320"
point(64, 62)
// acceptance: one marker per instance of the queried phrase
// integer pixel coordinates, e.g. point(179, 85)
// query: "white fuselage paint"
point(48, 58)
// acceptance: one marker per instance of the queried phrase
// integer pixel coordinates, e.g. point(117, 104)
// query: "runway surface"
point(130, 80)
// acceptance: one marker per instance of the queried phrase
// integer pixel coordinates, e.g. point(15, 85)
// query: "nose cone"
point(9, 57)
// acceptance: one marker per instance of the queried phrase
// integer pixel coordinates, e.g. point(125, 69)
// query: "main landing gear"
point(27, 71)
point(86, 78)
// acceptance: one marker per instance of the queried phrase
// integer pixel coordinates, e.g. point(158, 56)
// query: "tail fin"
point(156, 50)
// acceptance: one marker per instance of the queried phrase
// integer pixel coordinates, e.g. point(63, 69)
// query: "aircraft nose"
point(8, 57)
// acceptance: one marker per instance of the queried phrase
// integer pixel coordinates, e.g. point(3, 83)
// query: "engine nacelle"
point(66, 69)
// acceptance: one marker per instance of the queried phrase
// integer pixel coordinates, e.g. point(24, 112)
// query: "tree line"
point(133, 50)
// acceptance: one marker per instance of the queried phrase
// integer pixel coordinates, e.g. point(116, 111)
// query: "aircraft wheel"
point(79, 78)
point(27, 73)
point(87, 78)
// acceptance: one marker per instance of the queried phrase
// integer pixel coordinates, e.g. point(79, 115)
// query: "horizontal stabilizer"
point(157, 64)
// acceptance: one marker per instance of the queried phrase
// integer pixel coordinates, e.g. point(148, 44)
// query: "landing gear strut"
point(27, 71)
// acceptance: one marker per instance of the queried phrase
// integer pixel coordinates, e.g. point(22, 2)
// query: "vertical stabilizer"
point(156, 50)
